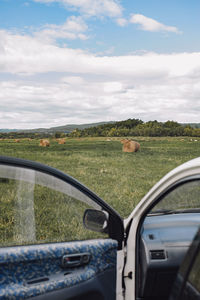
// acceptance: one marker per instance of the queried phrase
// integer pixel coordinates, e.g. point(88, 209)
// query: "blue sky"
point(81, 61)
point(104, 33)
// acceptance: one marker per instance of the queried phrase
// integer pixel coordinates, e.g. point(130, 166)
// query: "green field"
point(121, 179)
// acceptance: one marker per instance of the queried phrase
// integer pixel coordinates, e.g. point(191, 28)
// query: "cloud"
point(81, 100)
point(152, 25)
point(110, 8)
point(121, 22)
point(48, 85)
point(25, 54)
point(72, 29)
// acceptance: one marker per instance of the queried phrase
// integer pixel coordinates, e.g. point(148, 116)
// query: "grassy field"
point(121, 179)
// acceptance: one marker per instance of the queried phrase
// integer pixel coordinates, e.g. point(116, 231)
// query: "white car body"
point(190, 168)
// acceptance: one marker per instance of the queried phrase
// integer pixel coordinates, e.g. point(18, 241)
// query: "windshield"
point(183, 199)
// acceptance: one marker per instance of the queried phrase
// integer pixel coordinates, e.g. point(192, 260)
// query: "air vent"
point(157, 254)
point(151, 237)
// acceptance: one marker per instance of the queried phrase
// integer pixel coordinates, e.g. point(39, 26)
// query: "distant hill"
point(71, 127)
point(8, 130)
point(65, 128)
point(99, 126)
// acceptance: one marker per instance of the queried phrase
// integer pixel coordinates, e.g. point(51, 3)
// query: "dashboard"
point(164, 242)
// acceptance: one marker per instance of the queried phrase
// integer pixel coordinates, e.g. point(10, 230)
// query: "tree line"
point(130, 127)
point(136, 127)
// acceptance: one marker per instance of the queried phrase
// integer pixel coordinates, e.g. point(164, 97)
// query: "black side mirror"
point(96, 220)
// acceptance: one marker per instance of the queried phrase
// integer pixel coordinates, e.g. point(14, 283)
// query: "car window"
point(184, 198)
point(40, 208)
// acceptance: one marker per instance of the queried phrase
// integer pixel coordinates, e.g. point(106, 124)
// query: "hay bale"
point(61, 141)
point(130, 146)
point(44, 143)
point(17, 140)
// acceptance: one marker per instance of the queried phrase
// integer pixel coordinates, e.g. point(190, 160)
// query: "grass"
point(121, 179)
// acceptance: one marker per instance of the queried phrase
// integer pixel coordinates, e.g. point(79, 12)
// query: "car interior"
point(187, 283)
point(164, 239)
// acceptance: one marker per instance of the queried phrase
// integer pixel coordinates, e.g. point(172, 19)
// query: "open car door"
point(159, 233)
point(46, 251)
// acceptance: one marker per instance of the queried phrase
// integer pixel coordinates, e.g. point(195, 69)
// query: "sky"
point(84, 61)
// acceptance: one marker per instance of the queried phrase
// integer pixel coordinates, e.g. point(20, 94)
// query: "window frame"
point(116, 227)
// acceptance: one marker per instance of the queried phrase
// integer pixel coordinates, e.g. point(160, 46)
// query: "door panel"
point(46, 250)
point(29, 271)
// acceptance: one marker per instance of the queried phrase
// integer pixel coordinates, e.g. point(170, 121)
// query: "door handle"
point(75, 260)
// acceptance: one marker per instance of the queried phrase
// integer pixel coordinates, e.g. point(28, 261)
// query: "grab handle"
point(75, 260)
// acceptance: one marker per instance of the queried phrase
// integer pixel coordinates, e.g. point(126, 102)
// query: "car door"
point(46, 250)
point(159, 233)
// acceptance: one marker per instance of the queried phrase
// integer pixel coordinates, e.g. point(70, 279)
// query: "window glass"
point(39, 208)
point(185, 197)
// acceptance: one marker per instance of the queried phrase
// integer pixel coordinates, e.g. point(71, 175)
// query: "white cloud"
point(25, 54)
point(113, 87)
point(121, 22)
point(75, 24)
point(72, 29)
point(110, 8)
point(73, 86)
point(71, 100)
point(73, 80)
point(152, 25)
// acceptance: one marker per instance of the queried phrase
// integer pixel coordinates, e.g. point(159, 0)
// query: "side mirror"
point(96, 220)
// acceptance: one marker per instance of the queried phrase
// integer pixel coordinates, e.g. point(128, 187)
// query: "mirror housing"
point(96, 220)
